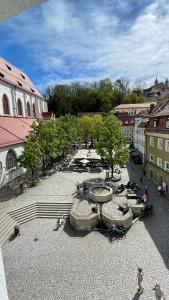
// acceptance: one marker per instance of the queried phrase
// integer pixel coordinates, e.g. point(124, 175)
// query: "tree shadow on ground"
point(71, 232)
point(157, 224)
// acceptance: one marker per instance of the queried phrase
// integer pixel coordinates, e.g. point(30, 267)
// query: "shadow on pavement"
point(71, 232)
point(157, 224)
point(137, 295)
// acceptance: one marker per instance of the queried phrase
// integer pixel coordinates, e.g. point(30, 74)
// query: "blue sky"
point(66, 40)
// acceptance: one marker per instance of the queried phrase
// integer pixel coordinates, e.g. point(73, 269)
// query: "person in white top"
point(140, 280)
point(158, 292)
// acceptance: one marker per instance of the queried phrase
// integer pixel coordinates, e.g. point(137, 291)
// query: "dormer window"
point(32, 90)
point(167, 124)
point(9, 68)
point(1, 75)
point(23, 76)
point(20, 84)
point(155, 123)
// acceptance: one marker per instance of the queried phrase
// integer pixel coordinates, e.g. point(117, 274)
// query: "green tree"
point(133, 98)
point(66, 133)
point(45, 134)
point(112, 142)
point(31, 156)
point(96, 124)
point(84, 125)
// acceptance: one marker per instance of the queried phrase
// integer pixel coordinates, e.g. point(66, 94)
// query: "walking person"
point(146, 190)
point(140, 280)
point(158, 292)
point(141, 179)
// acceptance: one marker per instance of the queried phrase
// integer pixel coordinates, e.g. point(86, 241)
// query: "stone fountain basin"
point(100, 194)
point(81, 216)
point(111, 215)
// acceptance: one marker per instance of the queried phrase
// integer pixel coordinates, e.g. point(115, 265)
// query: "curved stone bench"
point(82, 217)
point(135, 207)
point(111, 215)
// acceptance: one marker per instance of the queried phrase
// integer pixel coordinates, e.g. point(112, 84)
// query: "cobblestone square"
point(66, 265)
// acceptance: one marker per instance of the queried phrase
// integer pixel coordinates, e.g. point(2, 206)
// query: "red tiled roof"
point(16, 77)
point(14, 130)
point(126, 120)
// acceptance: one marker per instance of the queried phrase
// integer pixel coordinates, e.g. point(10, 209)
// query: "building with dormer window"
point(20, 105)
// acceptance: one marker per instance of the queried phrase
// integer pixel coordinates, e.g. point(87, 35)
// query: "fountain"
point(100, 194)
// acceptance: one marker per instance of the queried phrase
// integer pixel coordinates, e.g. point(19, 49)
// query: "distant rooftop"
point(133, 105)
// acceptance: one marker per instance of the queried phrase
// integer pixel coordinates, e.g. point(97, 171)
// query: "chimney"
point(152, 105)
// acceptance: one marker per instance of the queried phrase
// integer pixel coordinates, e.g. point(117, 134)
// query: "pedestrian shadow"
point(13, 237)
point(137, 295)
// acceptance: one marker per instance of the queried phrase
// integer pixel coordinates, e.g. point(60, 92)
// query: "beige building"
point(133, 109)
point(157, 144)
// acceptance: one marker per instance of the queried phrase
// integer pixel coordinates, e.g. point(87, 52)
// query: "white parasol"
point(84, 161)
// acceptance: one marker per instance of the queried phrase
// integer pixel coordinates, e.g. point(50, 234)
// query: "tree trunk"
point(112, 171)
point(44, 167)
point(91, 141)
point(33, 176)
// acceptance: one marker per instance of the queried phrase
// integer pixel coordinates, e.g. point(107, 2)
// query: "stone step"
point(23, 212)
point(5, 224)
point(26, 219)
point(33, 205)
point(23, 219)
point(3, 219)
point(53, 217)
point(5, 229)
point(30, 212)
point(54, 205)
point(55, 212)
point(7, 233)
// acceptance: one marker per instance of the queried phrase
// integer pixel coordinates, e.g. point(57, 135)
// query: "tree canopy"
point(112, 142)
point(89, 97)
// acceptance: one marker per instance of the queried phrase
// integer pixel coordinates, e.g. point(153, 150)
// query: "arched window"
point(19, 107)
point(5, 104)
point(10, 160)
point(28, 109)
point(34, 112)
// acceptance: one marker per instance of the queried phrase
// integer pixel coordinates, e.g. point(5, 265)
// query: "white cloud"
point(94, 41)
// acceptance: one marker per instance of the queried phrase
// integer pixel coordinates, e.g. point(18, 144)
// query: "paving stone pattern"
point(66, 265)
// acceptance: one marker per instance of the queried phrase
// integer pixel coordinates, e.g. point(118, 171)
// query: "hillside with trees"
point(99, 96)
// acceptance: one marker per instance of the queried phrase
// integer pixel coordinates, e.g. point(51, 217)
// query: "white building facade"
point(20, 105)
point(139, 135)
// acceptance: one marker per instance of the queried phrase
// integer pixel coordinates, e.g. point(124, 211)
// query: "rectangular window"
point(151, 158)
point(151, 141)
point(159, 162)
point(167, 124)
point(155, 123)
point(167, 145)
point(166, 166)
point(160, 144)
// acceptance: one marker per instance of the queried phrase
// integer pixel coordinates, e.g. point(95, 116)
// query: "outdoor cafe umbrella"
point(84, 161)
